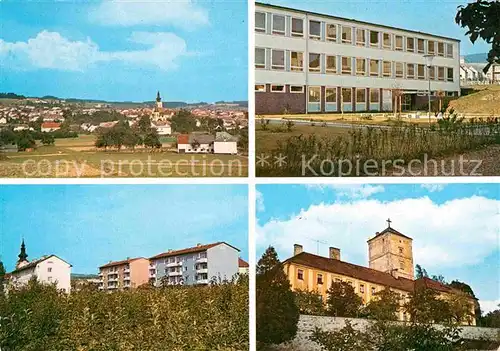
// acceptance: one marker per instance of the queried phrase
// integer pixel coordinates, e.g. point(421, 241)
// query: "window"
point(400, 250)
point(431, 47)
point(374, 68)
point(450, 74)
point(260, 22)
point(297, 27)
point(331, 95)
point(331, 64)
point(410, 44)
point(400, 69)
point(360, 37)
point(361, 95)
point(401, 265)
point(361, 288)
point(296, 61)
point(49, 269)
point(314, 94)
point(314, 63)
point(49, 279)
point(347, 35)
point(387, 69)
point(360, 66)
point(374, 95)
point(421, 72)
point(449, 50)
point(440, 73)
point(387, 42)
point(374, 38)
point(331, 32)
point(347, 95)
point(398, 43)
point(374, 290)
point(346, 65)
point(315, 30)
point(279, 24)
point(440, 49)
point(296, 89)
point(320, 278)
point(278, 88)
point(260, 58)
point(261, 88)
point(300, 274)
point(421, 46)
point(278, 59)
point(410, 71)
point(432, 73)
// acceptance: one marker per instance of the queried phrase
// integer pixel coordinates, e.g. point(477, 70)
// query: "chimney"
point(334, 253)
point(297, 249)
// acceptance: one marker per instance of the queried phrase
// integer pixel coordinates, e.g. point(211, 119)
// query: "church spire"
point(158, 98)
point(23, 256)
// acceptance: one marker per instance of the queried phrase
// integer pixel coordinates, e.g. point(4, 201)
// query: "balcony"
point(202, 260)
point(202, 281)
point(202, 270)
point(152, 274)
point(126, 278)
point(174, 274)
point(113, 279)
point(126, 270)
point(112, 287)
point(174, 264)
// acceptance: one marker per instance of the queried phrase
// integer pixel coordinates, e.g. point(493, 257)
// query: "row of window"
point(319, 281)
point(332, 32)
point(359, 66)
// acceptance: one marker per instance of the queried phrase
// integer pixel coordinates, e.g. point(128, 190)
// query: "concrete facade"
point(124, 275)
point(310, 63)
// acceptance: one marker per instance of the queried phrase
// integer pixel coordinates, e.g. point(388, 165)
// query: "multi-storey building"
point(391, 266)
point(122, 275)
point(49, 269)
point(308, 62)
point(194, 265)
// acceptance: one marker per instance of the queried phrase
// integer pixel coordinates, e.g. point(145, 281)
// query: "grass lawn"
point(77, 157)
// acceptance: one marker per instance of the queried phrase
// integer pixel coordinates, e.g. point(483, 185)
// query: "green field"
point(78, 157)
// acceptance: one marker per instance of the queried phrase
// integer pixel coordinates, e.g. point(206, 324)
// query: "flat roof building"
point(308, 62)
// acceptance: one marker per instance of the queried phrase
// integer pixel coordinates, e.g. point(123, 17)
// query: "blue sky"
point(455, 227)
point(190, 50)
point(89, 225)
point(436, 17)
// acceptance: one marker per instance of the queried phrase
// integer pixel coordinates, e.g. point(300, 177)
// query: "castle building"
point(390, 266)
point(308, 62)
point(48, 269)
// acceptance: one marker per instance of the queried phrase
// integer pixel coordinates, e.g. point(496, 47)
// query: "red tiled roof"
point(242, 263)
point(119, 263)
point(352, 270)
point(183, 139)
point(197, 248)
point(51, 125)
point(432, 284)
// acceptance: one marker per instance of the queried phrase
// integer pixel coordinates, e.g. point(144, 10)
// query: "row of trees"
point(278, 310)
point(26, 139)
point(122, 135)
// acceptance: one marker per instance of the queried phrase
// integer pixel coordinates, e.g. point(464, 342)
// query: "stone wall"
point(307, 324)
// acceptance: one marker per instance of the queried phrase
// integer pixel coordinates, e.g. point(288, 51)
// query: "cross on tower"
point(389, 222)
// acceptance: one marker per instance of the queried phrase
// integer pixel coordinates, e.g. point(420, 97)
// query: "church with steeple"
point(160, 114)
point(390, 260)
point(48, 269)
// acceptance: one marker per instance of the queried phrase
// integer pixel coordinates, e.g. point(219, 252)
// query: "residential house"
point(50, 126)
point(225, 143)
point(195, 143)
point(243, 267)
point(162, 127)
point(123, 275)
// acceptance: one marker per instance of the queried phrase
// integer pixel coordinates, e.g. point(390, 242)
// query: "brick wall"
point(276, 103)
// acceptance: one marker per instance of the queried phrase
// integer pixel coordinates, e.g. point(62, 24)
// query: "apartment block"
point(123, 275)
point(195, 265)
point(308, 62)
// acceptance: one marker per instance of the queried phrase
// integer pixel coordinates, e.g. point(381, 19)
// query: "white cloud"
point(433, 187)
point(259, 198)
point(50, 50)
point(489, 306)
point(351, 191)
point(455, 233)
point(180, 13)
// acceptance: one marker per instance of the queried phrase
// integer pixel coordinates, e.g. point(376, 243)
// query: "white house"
point(225, 143)
point(50, 126)
point(195, 143)
point(163, 128)
point(49, 269)
point(3, 120)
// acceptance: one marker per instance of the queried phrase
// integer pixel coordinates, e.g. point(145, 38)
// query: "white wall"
point(189, 149)
point(225, 147)
point(60, 273)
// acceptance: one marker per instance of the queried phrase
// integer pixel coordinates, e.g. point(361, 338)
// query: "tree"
point(424, 306)
point(439, 278)
point(309, 302)
point(151, 139)
point(144, 124)
point(460, 307)
point(183, 122)
point(132, 139)
point(48, 139)
point(243, 140)
point(342, 300)
point(420, 272)
point(458, 285)
point(492, 319)
point(104, 139)
point(482, 19)
point(25, 140)
point(384, 306)
point(277, 312)
point(2, 278)
point(289, 125)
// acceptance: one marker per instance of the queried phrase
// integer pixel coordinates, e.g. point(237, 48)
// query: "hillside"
point(476, 58)
point(483, 101)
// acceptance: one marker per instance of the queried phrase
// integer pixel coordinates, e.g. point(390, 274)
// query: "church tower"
point(391, 252)
point(23, 257)
point(159, 104)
